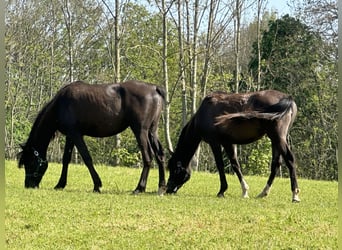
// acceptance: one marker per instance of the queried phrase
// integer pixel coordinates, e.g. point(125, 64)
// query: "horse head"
point(35, 166)
point(178, 176)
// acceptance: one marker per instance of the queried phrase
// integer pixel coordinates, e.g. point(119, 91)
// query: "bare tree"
point(164, 10)
point(194, 57)
point(117, 65)
point(180, 11)
point(68, 25)
point(259, 14)
point(237, 25)
point(208, 47)
point(116, 61)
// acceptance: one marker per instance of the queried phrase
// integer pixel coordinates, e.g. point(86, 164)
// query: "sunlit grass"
point(77, 218)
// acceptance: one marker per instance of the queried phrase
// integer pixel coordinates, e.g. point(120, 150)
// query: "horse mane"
point(188, 142)
point(24, 146)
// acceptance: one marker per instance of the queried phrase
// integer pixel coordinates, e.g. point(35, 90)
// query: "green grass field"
point(77, 218)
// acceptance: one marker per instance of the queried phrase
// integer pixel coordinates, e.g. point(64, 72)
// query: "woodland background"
point(191, 47)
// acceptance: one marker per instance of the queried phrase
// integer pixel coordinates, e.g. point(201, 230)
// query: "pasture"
point(194, 218)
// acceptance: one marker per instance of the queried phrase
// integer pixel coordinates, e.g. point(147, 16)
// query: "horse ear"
point(20, 155)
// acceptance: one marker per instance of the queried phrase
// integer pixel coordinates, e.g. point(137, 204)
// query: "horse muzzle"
point(172, 188)
point(31, 183)
point(173, 184)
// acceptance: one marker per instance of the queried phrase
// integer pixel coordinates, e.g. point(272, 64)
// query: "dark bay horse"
point(100, 110)
point(229, 119)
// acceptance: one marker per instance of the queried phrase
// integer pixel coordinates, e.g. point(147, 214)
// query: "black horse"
point(230, 119)
point(100, 110)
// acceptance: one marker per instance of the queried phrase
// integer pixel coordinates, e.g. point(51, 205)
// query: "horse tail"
point(161, 91)
point(273, 112)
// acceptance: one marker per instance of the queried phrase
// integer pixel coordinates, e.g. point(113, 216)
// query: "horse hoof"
point(138, 191)
point(219, 195)
point(295, 200)
point(60, 185)
point(262, 195)
point(97, 190)
point(162, 190)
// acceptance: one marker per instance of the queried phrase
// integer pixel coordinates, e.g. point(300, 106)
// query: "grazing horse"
point(98, 110)
point(229, 119)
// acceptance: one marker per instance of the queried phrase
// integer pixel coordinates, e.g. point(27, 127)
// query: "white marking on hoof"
point(245, 188)
point(161, 191)
point(295, 196)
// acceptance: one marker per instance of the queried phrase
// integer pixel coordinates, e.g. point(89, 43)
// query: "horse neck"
point(42, 131)
point(187, 144)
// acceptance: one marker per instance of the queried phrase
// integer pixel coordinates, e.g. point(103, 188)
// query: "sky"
point(279, 5)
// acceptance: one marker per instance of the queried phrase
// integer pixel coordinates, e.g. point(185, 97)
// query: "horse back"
point(243, 130)
point(102, 110)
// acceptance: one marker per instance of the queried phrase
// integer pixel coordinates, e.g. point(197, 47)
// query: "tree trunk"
point(237, 43)
point(117, 76)
point(166, 79)
point(195, 159)
point(208, 48)
point(68, 24)
point(258, 44)
point(181, 62)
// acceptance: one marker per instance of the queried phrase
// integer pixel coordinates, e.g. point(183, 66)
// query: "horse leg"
point(232, 155)
point(220, 167)
point(146, 153)
point(159, 155)
point(69, 145)
point(275, 164)
point(83, 150)
point(290, 163)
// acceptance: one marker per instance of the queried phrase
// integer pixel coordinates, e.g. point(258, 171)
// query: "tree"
point(293, 59)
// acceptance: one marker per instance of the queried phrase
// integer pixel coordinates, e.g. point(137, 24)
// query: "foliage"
point(127, 159)
point(259, 159)
point(298, 57)
point(293, 61)
point(195, 218)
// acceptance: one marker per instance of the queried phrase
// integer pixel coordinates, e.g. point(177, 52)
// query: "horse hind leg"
point(275, 164)
point(290, 162)
point(159, 155)
point(146, 153)
point(69, 145)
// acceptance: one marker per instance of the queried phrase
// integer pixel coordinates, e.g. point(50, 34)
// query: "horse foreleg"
point(69, 145)
point(232, 155)
point(83, 150)
point(216, 148)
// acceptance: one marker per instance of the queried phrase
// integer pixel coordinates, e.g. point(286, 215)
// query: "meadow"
point(194, 218)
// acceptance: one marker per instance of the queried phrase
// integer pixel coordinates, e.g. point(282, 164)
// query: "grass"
point(76, 218)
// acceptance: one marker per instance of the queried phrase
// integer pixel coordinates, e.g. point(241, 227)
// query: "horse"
point(98, 110)
point(225, 120)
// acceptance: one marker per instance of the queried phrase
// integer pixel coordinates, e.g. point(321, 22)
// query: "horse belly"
point(103, 127)
point(244, 132)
